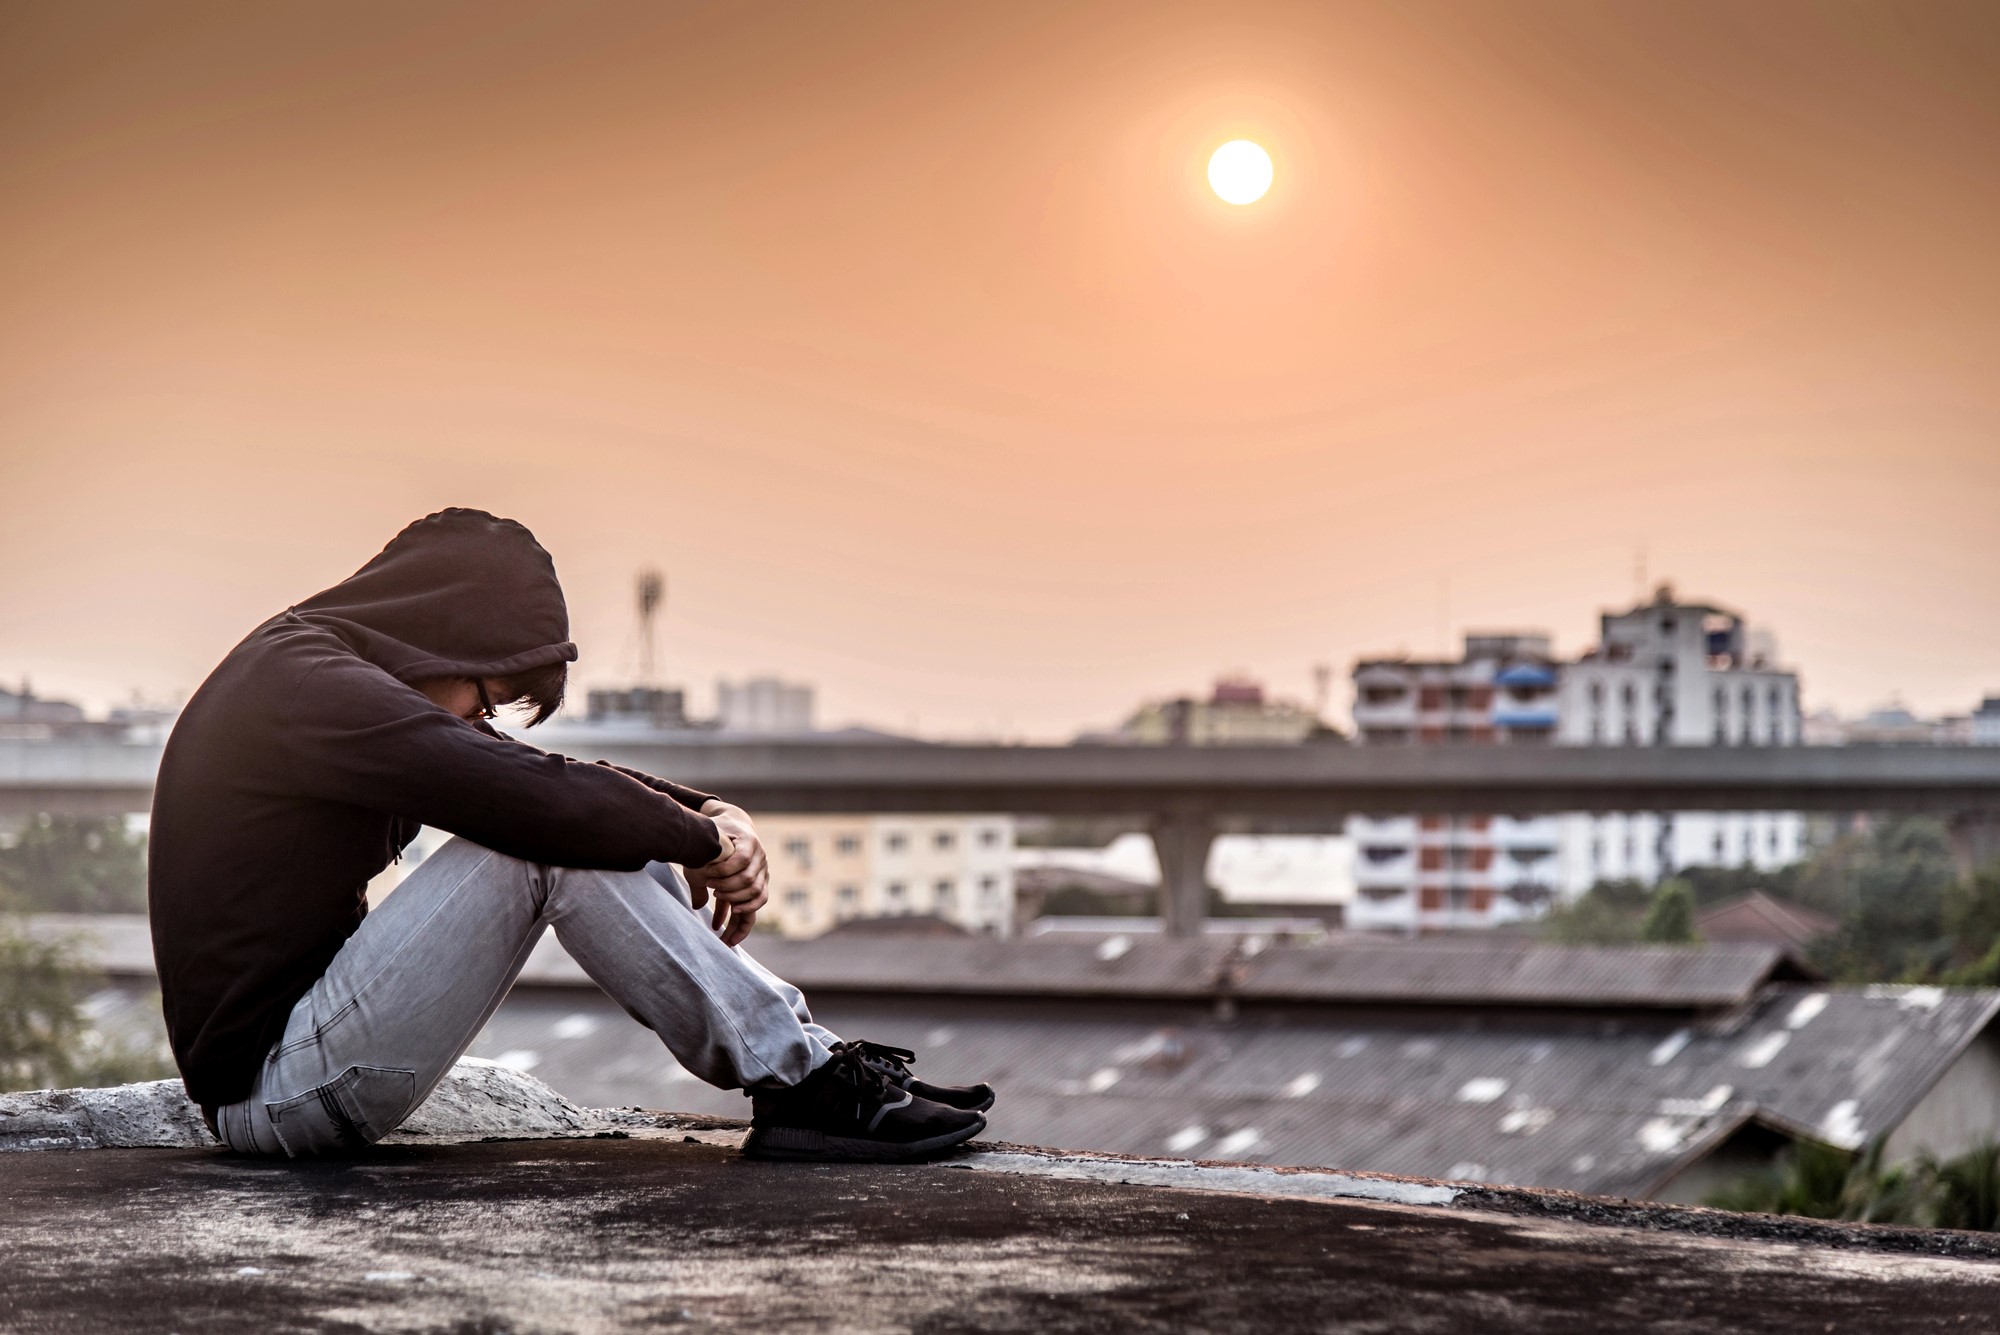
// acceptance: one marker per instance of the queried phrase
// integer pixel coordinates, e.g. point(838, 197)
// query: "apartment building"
point(828, 869)
point(1427, 872)
point(1667, 673)
point(1663, 673)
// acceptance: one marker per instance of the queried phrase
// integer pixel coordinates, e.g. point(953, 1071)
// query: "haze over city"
point(914, 347)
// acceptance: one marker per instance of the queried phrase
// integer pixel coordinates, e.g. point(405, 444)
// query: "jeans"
point(421, 976)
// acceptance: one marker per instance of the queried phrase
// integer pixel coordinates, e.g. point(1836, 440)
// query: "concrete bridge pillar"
point(1182, 842)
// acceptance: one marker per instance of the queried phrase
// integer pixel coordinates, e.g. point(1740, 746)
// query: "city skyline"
point(915, 350)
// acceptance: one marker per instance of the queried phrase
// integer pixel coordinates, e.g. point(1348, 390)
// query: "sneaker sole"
point(790, 1142)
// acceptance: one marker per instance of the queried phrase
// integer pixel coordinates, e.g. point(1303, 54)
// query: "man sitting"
point(305, 1024)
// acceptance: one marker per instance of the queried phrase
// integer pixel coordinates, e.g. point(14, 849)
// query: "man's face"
point(462, 695)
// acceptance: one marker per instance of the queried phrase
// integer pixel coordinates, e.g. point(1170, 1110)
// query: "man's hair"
point(540, 687)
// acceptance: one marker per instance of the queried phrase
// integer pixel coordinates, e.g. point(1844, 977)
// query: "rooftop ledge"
point(501, 1206)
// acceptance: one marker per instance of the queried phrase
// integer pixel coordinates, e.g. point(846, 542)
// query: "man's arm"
point(355, 735)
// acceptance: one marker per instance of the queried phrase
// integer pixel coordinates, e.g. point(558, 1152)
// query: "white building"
point(1985, 722)
point(1663, 674)
point(764, 705)
point(1677, 674)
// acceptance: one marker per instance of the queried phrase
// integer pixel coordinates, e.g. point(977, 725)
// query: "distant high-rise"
point(764, 705)
point(1664, 673)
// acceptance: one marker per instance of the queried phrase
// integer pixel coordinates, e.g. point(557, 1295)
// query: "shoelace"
point(851, 1064)
point(891, 1062)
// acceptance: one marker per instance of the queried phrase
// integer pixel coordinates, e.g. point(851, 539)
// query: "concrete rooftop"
point(661, 1224)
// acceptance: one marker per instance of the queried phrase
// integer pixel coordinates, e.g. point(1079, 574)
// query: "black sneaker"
point(894, 1064)
point(848, 1110)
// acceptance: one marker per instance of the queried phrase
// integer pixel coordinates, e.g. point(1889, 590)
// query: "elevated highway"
point(1185, 795)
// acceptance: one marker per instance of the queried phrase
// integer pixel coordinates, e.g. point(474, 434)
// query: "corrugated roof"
point(1142, 965)
point(1510, 973)
point(1612, 1110)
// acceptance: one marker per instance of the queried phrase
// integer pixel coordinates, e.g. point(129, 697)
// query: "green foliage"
point(1982, 972)
point(1972, 921)
point(1610, 913)
point(1670, 917)
point(1809, 1179)
point(45, 1040)
point(1713, 885)
point(1821, 1182)
point(75, 864)
point(1889, 888)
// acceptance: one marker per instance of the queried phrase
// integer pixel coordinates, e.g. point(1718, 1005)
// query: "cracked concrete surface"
point(675, 1230)
point(502, 1207)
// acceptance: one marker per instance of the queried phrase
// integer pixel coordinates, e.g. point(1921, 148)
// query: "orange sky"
point(909, 341)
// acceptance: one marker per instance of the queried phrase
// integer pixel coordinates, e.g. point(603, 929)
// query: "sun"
point(1240, 172)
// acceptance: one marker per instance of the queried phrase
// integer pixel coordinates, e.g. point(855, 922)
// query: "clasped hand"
point(736, 880)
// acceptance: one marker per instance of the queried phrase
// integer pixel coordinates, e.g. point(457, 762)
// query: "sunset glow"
point(1240, 172)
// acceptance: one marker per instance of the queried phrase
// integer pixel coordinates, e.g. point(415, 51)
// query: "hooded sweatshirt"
point(308, 760)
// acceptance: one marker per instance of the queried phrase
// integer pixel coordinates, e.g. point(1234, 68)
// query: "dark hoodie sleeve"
point(691, 798)
point(353, 734)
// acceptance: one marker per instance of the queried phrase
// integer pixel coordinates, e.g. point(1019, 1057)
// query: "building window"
point(1430, 697)
point(796, 898)
point(848, 895)
point(989, 888)
point(943, 840)
point(800, 850)
point(896, 842)
point(894, 892)
point(989, 838)
point(1596, 693)
point(942, 893)
point(847, 845)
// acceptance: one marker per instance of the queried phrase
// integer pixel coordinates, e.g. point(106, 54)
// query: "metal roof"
point(1493, 972)
point(1510, 973)
point(1486, 973)
point(1612, 1110)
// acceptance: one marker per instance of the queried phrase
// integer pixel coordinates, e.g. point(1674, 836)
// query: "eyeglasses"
point(486, 708)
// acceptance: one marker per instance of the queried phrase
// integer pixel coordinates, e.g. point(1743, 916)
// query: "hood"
point(460, 593)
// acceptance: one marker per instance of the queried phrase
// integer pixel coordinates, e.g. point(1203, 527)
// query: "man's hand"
point(738, 879)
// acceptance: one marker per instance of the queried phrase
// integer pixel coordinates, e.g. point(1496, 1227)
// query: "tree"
point(1610, 913)
point(1670, 917)
point(1889, 889)
point(1972, 917)
point(75, 864)
point(45, 1040)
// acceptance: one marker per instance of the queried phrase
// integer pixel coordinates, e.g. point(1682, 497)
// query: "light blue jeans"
point(427, 968)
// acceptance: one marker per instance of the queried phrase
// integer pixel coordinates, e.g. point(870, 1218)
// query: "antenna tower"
point(652, 597)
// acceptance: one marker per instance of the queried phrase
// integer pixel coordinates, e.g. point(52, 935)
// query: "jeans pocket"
point(350, 1112)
